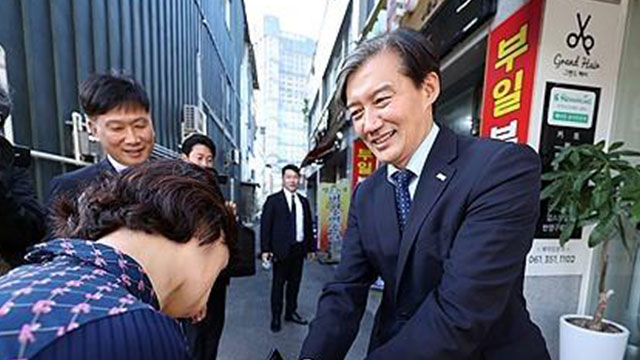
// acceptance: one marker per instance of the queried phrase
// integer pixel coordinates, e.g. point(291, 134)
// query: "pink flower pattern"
point(94, 296)
point(6, 307)
point(81, 308)
point(42, 306)
point(99, 272)
point(117, 310)
point(26, 333)
point(23, 291)
point(64, 287)
point(60, 290)
point(126, 279)
point(74, 283)
point(99, 261)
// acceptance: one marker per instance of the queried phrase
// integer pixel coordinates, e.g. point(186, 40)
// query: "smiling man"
point(446, 223)
point(119, 116)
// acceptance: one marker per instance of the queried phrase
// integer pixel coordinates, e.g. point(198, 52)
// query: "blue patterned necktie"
point(401, 181)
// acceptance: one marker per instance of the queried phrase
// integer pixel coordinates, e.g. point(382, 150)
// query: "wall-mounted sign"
point(571, 113)
point(333, 207)
point(510, 73)
point(572, 108)
point(582, 40)
point(547, 257)
point(364, 162)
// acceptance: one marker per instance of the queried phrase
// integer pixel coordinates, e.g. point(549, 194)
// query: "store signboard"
point(571, 108)
point(570, 117)
point(574, 93)
point(333, 207)
point(510, 74)
point(364, 162)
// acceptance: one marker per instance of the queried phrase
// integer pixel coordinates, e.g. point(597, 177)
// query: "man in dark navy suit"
point(446, 223)
point(286, 236)
point(119, 116)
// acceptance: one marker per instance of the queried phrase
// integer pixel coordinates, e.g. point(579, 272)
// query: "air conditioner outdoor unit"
point(193, 120)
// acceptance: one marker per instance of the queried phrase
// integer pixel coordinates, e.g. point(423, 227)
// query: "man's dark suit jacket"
point(74, 182)
point(453, 282)
point(276, 226)
point(21, 216)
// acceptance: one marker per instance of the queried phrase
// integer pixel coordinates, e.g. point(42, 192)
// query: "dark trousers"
point(287, 271)
point(205, 335)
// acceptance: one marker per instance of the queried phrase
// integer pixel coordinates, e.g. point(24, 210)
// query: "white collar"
point(116, 165)
point(289, 193)
point(419, 157)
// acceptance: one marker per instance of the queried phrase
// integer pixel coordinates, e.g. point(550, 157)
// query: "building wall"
point(223, 42)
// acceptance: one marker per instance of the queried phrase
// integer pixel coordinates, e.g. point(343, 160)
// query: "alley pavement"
point(246, 333)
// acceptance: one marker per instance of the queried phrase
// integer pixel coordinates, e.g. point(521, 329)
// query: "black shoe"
point(275, 325)
point(295, 318)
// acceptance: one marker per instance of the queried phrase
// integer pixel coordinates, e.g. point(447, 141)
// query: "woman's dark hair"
point(197, 139)
point(101, 93)
point(171, 198)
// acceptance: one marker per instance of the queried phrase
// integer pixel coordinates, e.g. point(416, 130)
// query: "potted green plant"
point(591, 186)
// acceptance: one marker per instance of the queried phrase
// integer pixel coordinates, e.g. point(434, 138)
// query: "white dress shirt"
point(299, 214)
point(417, 160)
point(116, 165)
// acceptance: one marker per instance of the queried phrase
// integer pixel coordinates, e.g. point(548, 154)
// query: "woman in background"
point(132, 253)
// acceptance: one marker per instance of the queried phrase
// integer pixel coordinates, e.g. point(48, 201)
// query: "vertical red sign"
point(510, 73)
point(364, 162)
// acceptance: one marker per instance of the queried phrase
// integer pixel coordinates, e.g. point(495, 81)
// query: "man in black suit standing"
point(286, 236)
point(119, 116)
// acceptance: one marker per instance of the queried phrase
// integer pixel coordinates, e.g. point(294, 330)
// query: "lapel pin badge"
point(441, 177)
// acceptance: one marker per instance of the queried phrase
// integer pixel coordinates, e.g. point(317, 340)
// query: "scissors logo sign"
point(573, 39)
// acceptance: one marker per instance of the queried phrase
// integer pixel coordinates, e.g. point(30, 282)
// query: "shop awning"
point(322, 149)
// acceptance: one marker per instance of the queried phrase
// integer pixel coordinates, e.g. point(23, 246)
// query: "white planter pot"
point(583, 344)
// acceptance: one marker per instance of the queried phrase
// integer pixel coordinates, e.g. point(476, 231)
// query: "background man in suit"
point(447, 224)
point(118, 111)
point(204, 336)
point(286, 235)
point(21, 216)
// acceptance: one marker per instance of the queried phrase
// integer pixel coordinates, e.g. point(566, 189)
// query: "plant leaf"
point(616, 145)
point(550, 190)
point(635, 212)
point(574, 157)
point(552, 175)
point(602, 231)
point(626, 153)
point(567, 230)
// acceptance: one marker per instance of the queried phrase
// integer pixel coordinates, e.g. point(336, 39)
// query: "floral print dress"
point(72, 284)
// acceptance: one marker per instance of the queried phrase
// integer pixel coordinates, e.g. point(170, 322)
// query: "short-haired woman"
point(132, 253)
